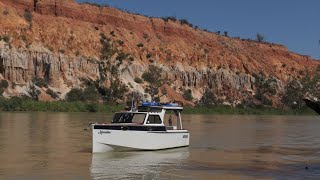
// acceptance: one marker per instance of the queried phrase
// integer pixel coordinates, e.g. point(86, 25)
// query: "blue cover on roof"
point(151, 104)
point(159, 104)
point(171, 105)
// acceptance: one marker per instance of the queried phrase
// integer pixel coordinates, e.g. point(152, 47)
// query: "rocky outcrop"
point(61, 43)
point(19, 66)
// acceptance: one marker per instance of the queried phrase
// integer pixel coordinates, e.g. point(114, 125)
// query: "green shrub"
point(154, 77)
point(89, 94)
point(140, 45)
point(77, 53)
point(62, 51)
point(32, 90)
point(107, 50)
point(187, 95)
point(171, 18)
point(185, 22)
point(264, 100)
point(4, 84)
point(91, 107)
point(103, 36)
point(40, 82)
point(145, 36)
point(24, 38)
point(138, 80)
point(75, 95)
point(148, 56)
point(95, 4)
point(53, 94)
point(5, 12)
point(120, 42)
point(260, 37)
point(131, 59)
point(6, 38)
point(122, 56)
point(28, 16)
point(208, 98)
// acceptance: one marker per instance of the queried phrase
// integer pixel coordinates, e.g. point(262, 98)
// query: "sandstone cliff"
point(61, 43)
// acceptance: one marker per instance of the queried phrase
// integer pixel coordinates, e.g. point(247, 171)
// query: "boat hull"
point(104, 140)
point(314, 105)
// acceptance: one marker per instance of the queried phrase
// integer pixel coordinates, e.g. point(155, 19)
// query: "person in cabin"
point(170, 120)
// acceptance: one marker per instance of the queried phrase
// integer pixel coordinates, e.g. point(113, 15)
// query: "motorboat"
point(314, 105)
point(142, 128)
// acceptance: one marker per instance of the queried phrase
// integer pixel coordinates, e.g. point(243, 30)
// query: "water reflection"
point(140, 164)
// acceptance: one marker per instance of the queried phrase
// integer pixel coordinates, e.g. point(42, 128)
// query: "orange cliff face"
point(62, 43)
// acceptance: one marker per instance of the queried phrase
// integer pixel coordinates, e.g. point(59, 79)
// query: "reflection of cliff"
point(62, 43)
point(136, 165)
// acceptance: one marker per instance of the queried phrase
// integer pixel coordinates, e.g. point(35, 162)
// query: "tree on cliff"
point(265, 87)
point(208, 98)
point(260, 37)
point(106, 53)
point(110, 66)
point(28, 17)
point(3, 86)
point(154, 78)
point(89, 94)
point(293, 95)
point(32, 89)
point(187, 95)
point(297, 89)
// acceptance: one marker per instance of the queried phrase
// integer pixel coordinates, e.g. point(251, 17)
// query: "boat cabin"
point(152, 114)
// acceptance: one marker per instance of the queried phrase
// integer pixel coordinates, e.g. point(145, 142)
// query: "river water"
point(55, 146)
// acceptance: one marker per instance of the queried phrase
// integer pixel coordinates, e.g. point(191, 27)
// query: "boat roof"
point(166, 106)
point(154, 108)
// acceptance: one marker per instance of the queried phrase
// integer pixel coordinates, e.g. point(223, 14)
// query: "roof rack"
point(157, 107)
point(148, 104)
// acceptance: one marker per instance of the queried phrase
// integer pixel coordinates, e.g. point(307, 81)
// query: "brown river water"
point(55, 146)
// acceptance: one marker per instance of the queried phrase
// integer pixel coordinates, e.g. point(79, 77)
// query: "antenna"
point(132, 101)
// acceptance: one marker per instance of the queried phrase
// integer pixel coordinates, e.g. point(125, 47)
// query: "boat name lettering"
point(185, 136)
point(103, 132)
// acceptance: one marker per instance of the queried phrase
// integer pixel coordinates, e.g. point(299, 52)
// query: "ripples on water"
point(54, 146)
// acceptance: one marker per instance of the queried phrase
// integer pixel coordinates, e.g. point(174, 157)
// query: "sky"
point(293, 23)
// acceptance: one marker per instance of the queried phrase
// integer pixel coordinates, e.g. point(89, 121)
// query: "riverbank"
point(225, 110)
point(20, 104)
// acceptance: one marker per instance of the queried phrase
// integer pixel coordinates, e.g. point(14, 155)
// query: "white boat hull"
point(104, 140)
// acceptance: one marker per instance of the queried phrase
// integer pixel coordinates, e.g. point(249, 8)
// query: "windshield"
point(128, 118)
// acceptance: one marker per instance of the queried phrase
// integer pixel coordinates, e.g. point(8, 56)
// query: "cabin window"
point(154, 119)
point(128, 118)
point(138, 118)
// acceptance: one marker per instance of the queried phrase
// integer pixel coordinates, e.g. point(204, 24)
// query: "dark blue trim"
point(130, 127)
